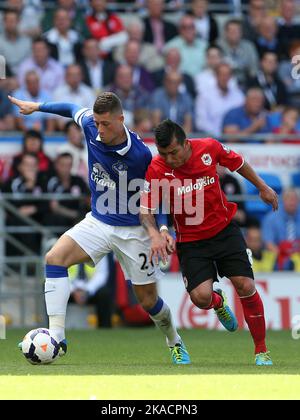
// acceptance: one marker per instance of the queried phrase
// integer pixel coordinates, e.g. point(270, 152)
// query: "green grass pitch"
point(135, 364)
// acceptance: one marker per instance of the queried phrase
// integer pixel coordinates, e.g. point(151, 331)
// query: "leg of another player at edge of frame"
point(204, 297)
point(160, 314)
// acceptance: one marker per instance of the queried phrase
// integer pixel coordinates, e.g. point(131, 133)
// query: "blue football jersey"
point(116, 173)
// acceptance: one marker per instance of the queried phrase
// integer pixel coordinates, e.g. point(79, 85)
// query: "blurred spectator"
point(281, 234)
point(30, 12)
point(142, 124)
point(172, 63)
point(256, 13)
point(66, 213)
point(267, 37)
point(32, 92)
point(76, 147)
point(289, 28)
point(289, 121)
point(207, 77)
point(263, 260)
point(6, 109)
point(191, 48)
point(267, 79)
point(168, 102)
point(13, 46)
point(250, 118)
point(157, 30)
point(75, 13)
point(287, 75)
point(50, 71)
point(33, 145)
point(106, 27)
point(240, 53)
point(206, 25)
point(132, 97)
point(65, 40)
point(141, 76)
point(149, 57)
point(97, 73)
point(212, 104)
point(73, 91)
point(231, 186)
point(28, 181)
point(285, 224)
point(95, 285)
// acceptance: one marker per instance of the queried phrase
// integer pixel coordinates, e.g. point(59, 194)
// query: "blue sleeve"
point(161, 218)
point(60, 108)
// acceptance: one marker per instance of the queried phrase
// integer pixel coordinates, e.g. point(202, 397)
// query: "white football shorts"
point(130, 244)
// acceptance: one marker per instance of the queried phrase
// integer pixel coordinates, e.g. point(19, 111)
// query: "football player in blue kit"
point(116, 158)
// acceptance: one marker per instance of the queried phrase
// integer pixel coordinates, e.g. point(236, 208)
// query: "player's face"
point(110, 128)
point(176, 154)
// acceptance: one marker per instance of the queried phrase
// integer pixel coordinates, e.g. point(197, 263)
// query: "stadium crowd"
point(228, 75)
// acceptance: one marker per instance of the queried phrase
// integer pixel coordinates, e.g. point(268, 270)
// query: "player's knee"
point(245, 286)
point(201, 300)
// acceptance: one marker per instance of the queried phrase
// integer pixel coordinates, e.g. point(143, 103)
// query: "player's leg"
point(65, 253)
point(253, 309)
point(160, 314)
point(235, 263)
point(133, 255)
point(199, 273)
point(85, 242)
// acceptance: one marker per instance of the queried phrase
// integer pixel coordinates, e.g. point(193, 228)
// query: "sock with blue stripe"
point(57, 293)
point(162, 317)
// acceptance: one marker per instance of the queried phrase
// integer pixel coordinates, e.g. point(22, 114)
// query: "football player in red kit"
point(208, 240)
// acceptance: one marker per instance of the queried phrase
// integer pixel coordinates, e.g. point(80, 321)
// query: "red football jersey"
point(192, 192)
point(100, 29)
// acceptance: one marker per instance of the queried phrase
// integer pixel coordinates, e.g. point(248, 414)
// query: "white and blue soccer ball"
point(40, 346)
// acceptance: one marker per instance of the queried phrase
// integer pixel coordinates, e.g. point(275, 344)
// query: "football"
point(40, 347)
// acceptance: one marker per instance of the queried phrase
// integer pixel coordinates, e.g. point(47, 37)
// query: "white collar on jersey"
point(125, 149)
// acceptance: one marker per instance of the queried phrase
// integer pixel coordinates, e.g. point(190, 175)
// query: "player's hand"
point(158, 249)
point(269, 196)
point(25, 107)
point(170, 241)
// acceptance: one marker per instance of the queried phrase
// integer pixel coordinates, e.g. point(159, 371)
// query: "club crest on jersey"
point(206, 159)
point(120, 168)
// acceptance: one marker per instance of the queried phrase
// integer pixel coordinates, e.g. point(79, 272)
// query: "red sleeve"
point(227, 157)
point(150, 196)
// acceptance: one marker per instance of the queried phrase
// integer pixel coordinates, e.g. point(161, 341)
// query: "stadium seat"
point(258, 208)
point(296, 180)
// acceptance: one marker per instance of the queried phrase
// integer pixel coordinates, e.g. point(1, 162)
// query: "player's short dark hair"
point(166, 131)
point(107, 102)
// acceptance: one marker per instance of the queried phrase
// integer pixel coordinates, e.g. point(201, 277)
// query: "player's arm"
point(267, 194)
point(59, 108)
point(235, 162)
point(158, 241)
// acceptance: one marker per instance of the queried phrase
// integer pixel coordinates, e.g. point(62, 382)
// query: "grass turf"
point(135, 364)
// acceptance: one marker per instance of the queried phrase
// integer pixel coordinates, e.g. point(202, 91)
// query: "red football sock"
point(254, 315)
point(216, 301)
